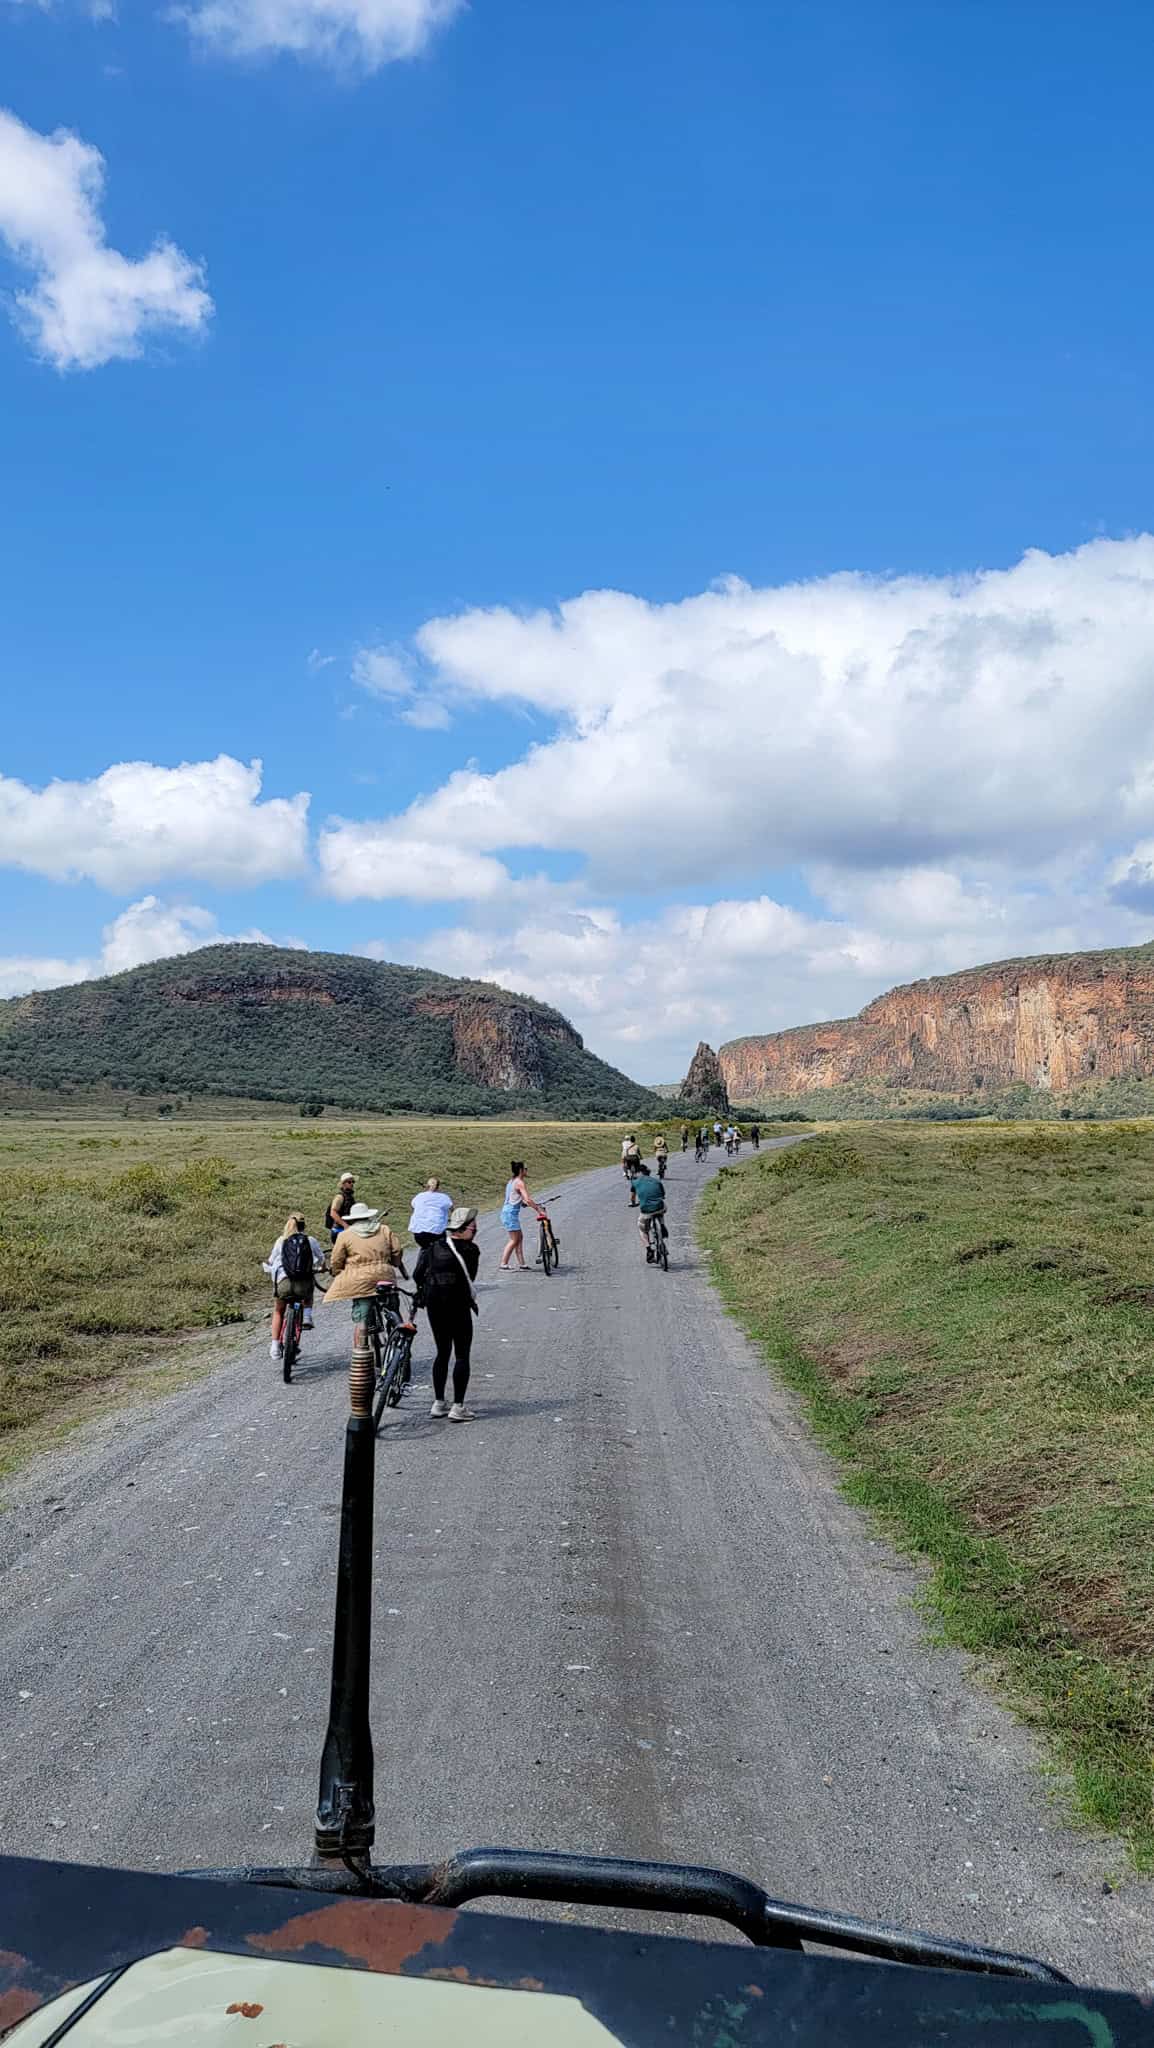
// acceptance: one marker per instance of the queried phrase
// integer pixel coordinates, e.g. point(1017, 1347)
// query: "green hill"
point(274, 1024)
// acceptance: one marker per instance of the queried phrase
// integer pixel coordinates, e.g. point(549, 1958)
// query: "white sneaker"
point(276, 1351)
point(459, 1413)
point(439, 1408)
point(308, 1323)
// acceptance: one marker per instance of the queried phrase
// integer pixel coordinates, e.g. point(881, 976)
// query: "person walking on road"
point(685, 1137)
point(517, 1197)
point(444, 1273)
point(429, 1215)
point(337, 1212)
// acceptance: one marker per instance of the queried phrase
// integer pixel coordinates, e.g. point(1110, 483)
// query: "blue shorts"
point(511, 1215)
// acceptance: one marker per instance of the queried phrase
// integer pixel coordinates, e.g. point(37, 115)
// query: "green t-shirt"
point(650, 1193)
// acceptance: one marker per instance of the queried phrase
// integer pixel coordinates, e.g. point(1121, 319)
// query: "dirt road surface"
point(624, 1610)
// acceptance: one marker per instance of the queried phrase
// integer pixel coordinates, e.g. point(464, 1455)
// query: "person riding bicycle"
point(685, 1137)
point(755, 1136)
point(650, 1194)
point(631, 1166)
point(717, 1133)
point(336, 1215)
point(661, 1154)
point(365, 1255)
point(293, 1263)
point(701, 1148)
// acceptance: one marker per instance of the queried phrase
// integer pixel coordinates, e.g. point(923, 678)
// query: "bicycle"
point(700, 1151)
point(548, 1250)
point(656, 1242)
point(391, 1343)
point(293, 1324)
point(662, 1163)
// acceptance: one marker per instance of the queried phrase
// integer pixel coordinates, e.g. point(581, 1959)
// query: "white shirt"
point(431, 1210)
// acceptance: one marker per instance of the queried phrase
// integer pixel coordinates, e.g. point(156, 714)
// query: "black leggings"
point(452, 1328)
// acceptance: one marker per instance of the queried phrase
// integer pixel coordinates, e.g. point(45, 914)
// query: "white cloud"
point(138, 824)
point(364, 33)
point(851, 724)
point(147, 930)
point(372, 861)
point(87, 303)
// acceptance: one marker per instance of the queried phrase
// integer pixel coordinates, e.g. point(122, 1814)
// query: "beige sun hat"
point(361, 1213)
point(458, 1218)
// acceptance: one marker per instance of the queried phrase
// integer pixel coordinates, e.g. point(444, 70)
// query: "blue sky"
point(573, 299)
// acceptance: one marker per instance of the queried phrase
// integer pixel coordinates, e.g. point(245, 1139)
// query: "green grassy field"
point(970, 1314)
point(123, 1245)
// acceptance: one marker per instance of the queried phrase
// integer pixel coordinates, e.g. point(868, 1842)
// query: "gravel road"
point(624, 1610)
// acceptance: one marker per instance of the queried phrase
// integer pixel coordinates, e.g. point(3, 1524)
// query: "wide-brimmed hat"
point(458, 1218)
point(347, 1176)
point(361, 1213)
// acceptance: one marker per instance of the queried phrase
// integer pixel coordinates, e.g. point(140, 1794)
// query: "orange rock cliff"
point(1052, 1023)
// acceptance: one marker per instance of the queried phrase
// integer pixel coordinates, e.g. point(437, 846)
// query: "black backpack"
point(296, 1258)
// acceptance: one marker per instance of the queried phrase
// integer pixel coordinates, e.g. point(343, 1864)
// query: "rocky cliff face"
point(705, 1083)
point(500, 1044)
point(1051, 1023)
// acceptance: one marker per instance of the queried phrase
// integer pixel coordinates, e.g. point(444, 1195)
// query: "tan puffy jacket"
point(360, 1263)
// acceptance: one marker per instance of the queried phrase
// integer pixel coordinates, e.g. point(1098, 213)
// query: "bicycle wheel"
point(546, 1250)
point(554, 1244)
point(663, 1246)
point(393, 1370)
point(291, 1336)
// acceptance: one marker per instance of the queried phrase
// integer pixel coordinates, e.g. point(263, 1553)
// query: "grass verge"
point(118, 1241)
point(970, 1317)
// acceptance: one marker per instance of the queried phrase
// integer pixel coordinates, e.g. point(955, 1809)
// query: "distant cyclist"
point(661, 1154)
point(649, 1193)
point(631, 1165)
point(701, 1148)
point(717, 1134)
point(685, 1137)
point(755, 1136)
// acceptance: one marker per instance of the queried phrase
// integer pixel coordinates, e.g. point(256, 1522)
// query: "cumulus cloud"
point(87, 303)
point(147, 930)
point(373, 861)
point(365, 33)
point(138, 824)
point(858, 724)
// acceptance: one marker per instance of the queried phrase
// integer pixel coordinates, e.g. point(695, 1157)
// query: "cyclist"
point(685, 1137)
point(717, 1133)
point(701, 1148)
point(429, 1213)
point(293, 1263)
point(517, 1197)
point(444, 1273)
point(649, 1193)
point(336, 1214)
point(365, 1255)
point(755, 1136)
point(631, 1165)
point(661, 1154)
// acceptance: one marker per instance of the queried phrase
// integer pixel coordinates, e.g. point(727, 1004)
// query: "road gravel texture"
point(624, 1610)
